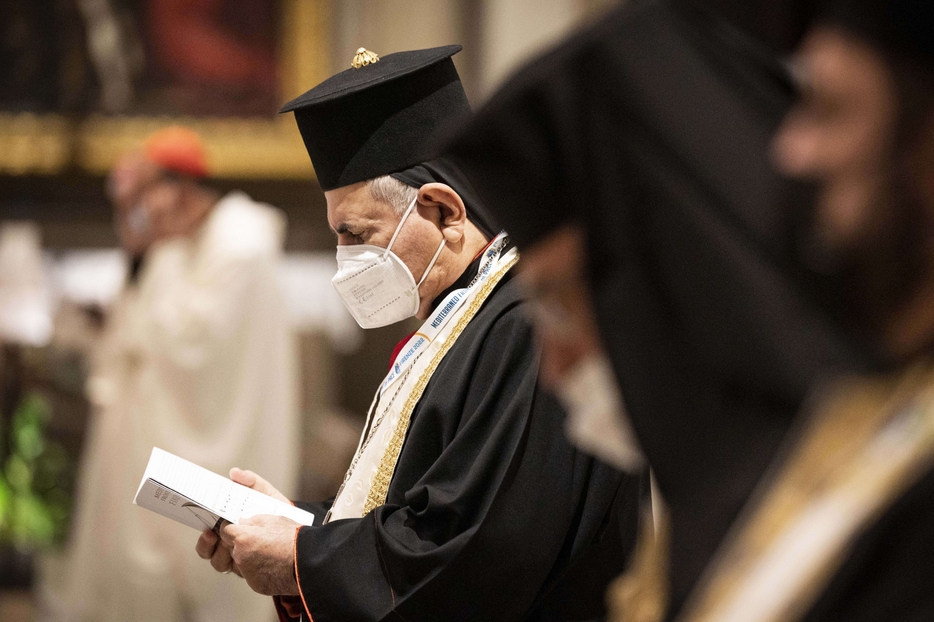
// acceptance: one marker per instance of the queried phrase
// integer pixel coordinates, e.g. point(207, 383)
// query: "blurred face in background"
point(873, 220)
point(842, 134)
point(555, 280)
point(574, 365)
point(149, 202)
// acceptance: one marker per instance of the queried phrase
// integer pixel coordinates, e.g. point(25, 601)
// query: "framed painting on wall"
point(88, 79)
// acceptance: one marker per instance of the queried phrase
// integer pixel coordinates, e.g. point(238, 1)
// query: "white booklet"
point(194, 496)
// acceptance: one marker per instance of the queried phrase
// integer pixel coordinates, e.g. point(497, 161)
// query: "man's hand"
point(257, 483)
point(262, 551)
point(210, 546)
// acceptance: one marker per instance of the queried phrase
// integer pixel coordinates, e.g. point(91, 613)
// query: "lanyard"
point(442, 314)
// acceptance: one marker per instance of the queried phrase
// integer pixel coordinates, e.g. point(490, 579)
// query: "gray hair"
point(391, 191)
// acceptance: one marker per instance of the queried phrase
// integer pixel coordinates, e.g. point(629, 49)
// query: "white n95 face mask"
point(376, 286)
point(597, 422)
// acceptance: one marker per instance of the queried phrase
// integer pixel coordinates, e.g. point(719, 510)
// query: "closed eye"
point(345, 229)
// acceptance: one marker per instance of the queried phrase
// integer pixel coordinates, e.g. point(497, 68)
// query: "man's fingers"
point(221, 561)
point(229, 533)
point(206, 544)
point(245, 478)
point(257, 483)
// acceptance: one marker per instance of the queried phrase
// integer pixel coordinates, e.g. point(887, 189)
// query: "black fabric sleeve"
point(318, 508)
point(479, 531)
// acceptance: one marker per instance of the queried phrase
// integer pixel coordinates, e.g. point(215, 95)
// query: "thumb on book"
point(245, 478)
point(257, 483)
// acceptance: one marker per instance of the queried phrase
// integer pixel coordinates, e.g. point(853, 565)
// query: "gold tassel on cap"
point(364, 57)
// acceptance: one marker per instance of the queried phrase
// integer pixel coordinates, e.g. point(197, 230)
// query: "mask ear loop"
point(399, 227)
point(431, 264)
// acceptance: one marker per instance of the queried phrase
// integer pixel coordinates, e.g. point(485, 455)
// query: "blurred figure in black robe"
point(643, 143)
point(724, 299)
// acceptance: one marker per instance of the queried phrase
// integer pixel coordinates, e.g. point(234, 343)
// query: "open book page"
point(194, 496)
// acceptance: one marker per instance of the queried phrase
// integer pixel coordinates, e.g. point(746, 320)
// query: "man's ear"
point(452, 214)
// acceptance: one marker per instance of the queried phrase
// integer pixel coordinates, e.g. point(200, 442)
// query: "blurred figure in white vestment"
point(196, 358)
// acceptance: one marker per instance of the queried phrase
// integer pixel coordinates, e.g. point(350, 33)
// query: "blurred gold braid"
point(387, 465)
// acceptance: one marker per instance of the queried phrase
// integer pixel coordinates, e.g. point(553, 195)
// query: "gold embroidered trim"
point(838, 455)
point(379, 487)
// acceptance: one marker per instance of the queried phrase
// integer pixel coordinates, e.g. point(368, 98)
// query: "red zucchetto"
point(177, 149)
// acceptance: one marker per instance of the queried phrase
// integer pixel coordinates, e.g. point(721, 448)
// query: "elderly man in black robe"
point(463, 501)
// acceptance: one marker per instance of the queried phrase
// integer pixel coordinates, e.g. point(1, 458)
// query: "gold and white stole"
point(868, 443)
point(367, 480)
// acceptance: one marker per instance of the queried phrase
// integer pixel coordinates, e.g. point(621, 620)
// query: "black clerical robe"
point(491, 514)
point(652, 130)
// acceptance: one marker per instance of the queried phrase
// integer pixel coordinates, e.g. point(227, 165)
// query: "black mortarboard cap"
point(381, 117)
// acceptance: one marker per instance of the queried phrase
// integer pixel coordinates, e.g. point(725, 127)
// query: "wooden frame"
point(241, 148)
